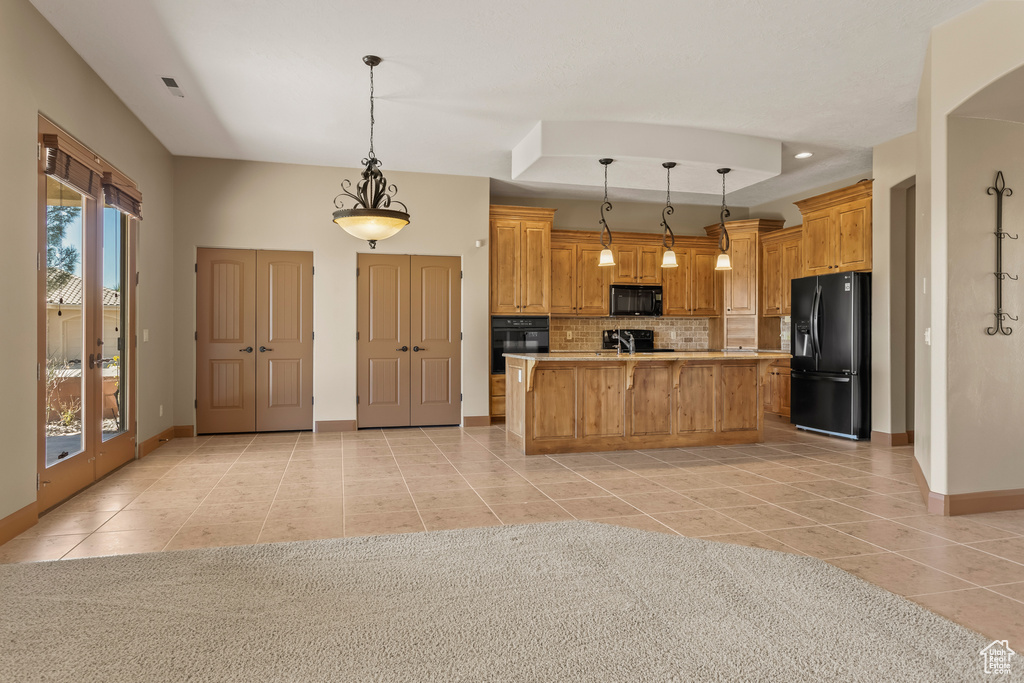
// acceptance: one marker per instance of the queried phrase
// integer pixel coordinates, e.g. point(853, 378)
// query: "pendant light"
point(668, 238)
point(606, 253)
point(371, 218)
point(723, 234)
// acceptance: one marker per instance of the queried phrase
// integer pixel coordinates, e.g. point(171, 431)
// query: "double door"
point(254, 341)
point(409, 340)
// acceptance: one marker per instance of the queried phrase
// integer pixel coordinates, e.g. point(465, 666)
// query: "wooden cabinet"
point(693, 288)
point(777, 388)
point(520, 260)
point(741, 281)
point(497, 395)
point(637, 265)
point(837, 230)
point(781, 263)
point(578, 285)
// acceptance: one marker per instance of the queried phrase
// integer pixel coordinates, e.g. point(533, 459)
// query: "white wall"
point(251, 205)
point(986, 373)
point(894, 164)
point(40, 73)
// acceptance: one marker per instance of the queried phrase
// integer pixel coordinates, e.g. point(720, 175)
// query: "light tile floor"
point(854, 505)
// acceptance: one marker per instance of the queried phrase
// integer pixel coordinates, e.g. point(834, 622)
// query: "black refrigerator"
point(831, 346)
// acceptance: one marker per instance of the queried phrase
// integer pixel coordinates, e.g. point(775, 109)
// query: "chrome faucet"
point(631, 342)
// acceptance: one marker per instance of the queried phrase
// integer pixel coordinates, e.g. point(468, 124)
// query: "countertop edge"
point(682, 355)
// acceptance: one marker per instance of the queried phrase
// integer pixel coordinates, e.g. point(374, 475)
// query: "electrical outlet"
point(928, 336)
point(674, 333)
point(568, 334)
point(161, 411)
point(145, 335)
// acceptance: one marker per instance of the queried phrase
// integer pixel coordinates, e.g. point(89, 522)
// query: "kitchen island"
point(582, 402)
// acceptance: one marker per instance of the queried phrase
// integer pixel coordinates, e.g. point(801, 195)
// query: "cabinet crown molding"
point(762, 225)
point(861, 190)
point(795, 232)
point(630, 238)
point(502, 211)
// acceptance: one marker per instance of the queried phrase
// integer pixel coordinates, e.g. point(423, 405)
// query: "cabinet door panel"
point(818, 242)
point(739, 394)
point(534, 268)
point(563, 279)
point(505, 245)
point(741, 281)
point(741, 331)
point(771, 265)
point(676, 285)
point(853, 236)
point(592, 282)
point(792, 269)
point(625, 269)
point(697, 405)
point(706, 284)
point(649, 270)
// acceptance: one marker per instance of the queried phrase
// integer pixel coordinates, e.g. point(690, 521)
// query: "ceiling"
point(462, 83)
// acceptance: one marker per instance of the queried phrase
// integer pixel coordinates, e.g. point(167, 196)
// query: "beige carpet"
point(571, 601)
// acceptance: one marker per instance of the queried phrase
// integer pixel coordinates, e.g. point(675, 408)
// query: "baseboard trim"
point(17, 522)
point(335, 426)
point(910, 435)
point(151, 444)
point(184, 431)
point(476, 421)
point(967, 503)
point(895, 439)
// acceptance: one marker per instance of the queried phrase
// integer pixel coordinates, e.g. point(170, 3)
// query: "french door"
point(409, 343)
point(254, 341)
point(86, 324)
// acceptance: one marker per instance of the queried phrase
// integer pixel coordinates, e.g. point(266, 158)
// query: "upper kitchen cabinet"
point(837, 230)
point(521, 260)
point(781, 263)
point(637, 265)
point(578, 285)
point(693, 288)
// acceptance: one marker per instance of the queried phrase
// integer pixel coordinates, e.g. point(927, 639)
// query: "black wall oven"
point(517, 335)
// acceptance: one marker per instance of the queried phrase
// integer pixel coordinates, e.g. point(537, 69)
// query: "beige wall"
point(893, 167)
point(784, 209)
point(964, 56)
point(40, 73)
point(577, 214)
point(986, 373)
point(250, 205)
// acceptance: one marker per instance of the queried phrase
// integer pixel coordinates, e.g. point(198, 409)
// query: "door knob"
point(404, 348)
point(247, 349)
point(418, 348)
point(264, 349)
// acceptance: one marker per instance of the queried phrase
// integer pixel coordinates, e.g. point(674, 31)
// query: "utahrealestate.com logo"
point(997, 657)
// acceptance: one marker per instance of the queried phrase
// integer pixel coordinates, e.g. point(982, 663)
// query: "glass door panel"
point(65, 392)
point(115, 345)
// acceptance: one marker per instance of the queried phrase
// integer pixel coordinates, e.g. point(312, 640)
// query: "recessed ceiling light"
point(804, 155)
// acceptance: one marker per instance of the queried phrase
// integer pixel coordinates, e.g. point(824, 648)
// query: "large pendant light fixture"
point(371, 218)
point(607, 259)
point(723, 234)
point(668, 238)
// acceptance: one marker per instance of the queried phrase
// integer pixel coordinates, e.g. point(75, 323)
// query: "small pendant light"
point(372, 217)
point(723, 235)
point(606, 253)
point(668, 238)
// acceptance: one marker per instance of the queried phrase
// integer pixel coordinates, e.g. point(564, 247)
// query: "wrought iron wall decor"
point(1000, 190)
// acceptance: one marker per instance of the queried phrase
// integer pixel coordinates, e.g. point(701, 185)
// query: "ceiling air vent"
point(172, 86)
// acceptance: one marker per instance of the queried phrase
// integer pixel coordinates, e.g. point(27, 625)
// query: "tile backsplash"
point(784, 330)
point(681, 334)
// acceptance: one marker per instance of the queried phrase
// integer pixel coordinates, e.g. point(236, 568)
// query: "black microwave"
point(635, 300)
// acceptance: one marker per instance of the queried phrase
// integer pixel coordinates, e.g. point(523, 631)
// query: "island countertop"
point(573, 356)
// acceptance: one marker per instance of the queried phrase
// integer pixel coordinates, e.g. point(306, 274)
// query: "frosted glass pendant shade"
point(668, 259)
point(606, 258)
point(371, 224)
point(723, 262)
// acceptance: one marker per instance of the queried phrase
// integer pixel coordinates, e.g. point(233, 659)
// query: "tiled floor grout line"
point(405, 481)
point(273, 500)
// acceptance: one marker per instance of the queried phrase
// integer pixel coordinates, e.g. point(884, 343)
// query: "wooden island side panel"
point(557, 406)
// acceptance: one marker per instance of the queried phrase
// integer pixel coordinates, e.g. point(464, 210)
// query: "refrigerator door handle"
point(820, 378)
point(815, 342)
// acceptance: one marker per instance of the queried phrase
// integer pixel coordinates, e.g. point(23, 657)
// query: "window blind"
point(121, 193)
point(66, 163)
